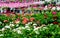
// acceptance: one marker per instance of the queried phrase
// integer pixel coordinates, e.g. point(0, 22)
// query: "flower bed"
point(41, 25)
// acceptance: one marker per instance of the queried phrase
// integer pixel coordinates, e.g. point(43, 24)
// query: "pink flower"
point(17, 21)
point(5, 21)
point(53, 13)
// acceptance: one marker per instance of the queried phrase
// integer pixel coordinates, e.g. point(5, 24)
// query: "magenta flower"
point(53, 13)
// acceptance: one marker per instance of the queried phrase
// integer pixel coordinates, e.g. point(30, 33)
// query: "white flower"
point(45, 8)
point(11, 22)
point(14, 30)
point(34, 24)
point(27, 27)
point(30, 23)
point(36, 28)
point(12, 25)
point(1, 35)
point(3, 29)
point(19, 32)
point(7, 26)
point(42, 25)
point(54, 8)
point(58, 8)
point(20, 28)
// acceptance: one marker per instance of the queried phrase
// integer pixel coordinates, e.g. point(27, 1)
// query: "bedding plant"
point(41, 25)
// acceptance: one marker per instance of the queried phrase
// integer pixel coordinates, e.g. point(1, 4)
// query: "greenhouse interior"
point(29, 18)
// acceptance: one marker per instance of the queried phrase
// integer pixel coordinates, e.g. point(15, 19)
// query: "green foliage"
point(49, 31)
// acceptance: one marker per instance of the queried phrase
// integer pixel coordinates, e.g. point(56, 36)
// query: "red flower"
point(5, 21)
point(32, 19)
point(53, 13)
point(25, 20)
point(55, 22)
